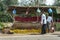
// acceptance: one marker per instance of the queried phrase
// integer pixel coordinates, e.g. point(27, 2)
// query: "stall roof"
point(33, 9)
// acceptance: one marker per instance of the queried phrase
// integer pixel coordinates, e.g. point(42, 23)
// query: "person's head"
point(46, 13)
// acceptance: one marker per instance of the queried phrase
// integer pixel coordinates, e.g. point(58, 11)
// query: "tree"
point(9, 2)
point(1, 7)
point(4, 17)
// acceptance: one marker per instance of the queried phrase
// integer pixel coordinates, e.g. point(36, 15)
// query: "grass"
point(58, 26)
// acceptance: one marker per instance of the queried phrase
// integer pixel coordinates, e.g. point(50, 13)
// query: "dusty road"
point(29, 37)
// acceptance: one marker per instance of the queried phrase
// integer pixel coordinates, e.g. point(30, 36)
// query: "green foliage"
point(57, 26)
point(5, 3)
point(28, 15)
point(32, 14)
point(5, 17)
point(55, 13)
point(1, 25)
point(9, 2)
point(1, 6)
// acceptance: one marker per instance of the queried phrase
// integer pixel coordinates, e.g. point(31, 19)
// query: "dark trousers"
point(43, 29)
point(48, 26)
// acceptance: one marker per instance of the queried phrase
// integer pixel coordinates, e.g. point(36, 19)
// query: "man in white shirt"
point(49, 21)
point(43, 23)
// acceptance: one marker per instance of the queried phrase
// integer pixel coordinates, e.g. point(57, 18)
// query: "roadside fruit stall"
point(26, 19)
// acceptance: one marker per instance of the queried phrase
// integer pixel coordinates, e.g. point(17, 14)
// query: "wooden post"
point(37, 13)
point(37, 17)
point(52, 17)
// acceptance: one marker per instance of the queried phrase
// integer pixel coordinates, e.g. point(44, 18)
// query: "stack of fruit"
point(26, 31)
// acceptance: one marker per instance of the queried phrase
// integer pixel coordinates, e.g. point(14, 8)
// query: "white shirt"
point(43, 19)
point(49, 19)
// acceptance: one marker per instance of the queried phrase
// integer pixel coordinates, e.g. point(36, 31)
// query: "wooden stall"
point(26, 22)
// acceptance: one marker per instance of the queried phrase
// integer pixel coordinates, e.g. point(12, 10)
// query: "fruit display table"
point(23, 28)
point(26, 28)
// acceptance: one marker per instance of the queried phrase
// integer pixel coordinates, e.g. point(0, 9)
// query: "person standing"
point(49, 22)
point(43, 23)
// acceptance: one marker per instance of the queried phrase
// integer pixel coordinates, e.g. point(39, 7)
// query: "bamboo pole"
point(37, 13)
